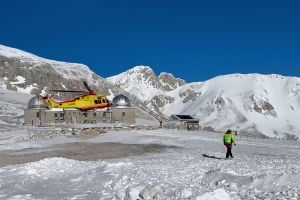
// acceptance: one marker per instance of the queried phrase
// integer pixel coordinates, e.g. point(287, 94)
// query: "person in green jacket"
point(229, 140)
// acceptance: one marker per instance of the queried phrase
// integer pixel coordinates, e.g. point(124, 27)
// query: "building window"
point(104, 114)
point(55, 115)
point(94, 114)
point(123, 114)
point(38, 114)
point(61, 114)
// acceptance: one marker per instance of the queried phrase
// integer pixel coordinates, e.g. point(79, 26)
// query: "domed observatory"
point(121, 101)
point(122, 111)
point(37, 102)
point(35, 112)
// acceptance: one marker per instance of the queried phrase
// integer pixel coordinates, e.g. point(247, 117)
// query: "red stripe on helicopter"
point(95, 107)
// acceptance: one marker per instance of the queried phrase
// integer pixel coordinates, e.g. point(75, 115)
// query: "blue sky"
point(194, 40)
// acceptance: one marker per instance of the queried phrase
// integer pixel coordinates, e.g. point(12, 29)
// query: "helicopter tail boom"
point(51, 102)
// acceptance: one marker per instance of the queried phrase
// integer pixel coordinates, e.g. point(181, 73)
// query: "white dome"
point(37, 102)
point(121, 101)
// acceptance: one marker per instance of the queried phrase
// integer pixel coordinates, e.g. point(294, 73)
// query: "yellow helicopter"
point(88, 101)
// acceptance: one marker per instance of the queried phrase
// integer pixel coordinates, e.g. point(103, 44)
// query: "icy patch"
point(20, 197)
point(55, 167)
point(219, 194)
point(219, 177)
point(117, 165)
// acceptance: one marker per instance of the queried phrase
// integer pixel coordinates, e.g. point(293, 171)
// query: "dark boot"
point(228, 153)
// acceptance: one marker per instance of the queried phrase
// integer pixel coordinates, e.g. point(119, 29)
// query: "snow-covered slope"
point(142, 82)
point(268, 104)
point(12, 105)
point(67, 70)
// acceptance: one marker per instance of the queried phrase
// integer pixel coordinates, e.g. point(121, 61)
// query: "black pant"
point(228, 153)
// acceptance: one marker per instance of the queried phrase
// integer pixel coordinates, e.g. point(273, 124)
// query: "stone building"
point(182, 122)
point(38, 113)
point(122, 111)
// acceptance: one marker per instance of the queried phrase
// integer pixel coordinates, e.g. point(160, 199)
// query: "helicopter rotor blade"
point(79, 91)
point(87, 87)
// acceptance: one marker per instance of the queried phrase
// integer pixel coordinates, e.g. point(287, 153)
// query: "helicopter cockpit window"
point(97, 101)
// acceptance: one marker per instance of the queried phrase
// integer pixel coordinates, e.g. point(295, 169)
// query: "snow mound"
point(53, 167)
point(218, 194)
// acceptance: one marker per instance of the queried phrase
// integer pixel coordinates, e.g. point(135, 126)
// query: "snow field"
point(261, 169)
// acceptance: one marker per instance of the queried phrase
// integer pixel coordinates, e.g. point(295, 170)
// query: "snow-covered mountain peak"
point(164, 74)
point(142, 82)
point(141, 68)
point(252, 76)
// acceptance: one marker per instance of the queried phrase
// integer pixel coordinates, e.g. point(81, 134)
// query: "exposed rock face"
point(262, 106)
point(189, 95)
point(220, 102)
point(43, 76)
point(267, 106)
point(169, 82)
point(162, 100)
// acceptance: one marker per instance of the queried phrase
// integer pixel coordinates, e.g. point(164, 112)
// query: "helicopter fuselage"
point(86, 102)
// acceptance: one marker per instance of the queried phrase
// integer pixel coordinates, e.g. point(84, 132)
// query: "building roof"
point(37, 102)
point(187, 118)
point(121, 101)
